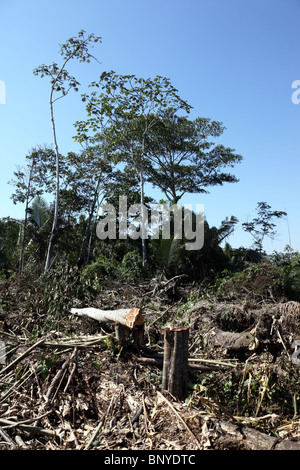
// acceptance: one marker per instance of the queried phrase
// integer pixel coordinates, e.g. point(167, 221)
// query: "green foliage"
point(258, 279)
point(240, 258)
point(289, 262)
point(46, 364)
point(103, 269)
point(36, 177)
point(10, 231)
point(251, 390)
point(131, 268)
point(52, 295)
point(74, 48)
point(183, 160)
point(211, 259)
point(39, 212)
point(171, 256)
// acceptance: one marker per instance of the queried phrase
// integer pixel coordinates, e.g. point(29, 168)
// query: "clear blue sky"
point(233, 60)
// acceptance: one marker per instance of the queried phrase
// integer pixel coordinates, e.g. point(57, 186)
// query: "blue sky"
point(233, 60)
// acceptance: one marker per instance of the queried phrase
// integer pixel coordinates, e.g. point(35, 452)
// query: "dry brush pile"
point(79, 388)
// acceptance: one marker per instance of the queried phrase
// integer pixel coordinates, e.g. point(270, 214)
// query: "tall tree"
point(89, 172)
point(30, 182)
point(61, 83)
point(133, 107)
point(183, 159)
point(10, 230)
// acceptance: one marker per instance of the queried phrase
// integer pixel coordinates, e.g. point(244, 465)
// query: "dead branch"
point(28, 428)
point(59, 375)
point(7, 438)
point(21, 357)
point(180, 419)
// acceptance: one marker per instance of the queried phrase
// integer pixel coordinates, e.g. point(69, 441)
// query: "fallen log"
point(126, 320)
point(237, 327)
point(129, 317)
point(232, 341)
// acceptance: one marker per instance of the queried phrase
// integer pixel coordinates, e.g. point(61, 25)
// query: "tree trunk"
point(231, 341)
point(55, 217)
point(143, 234)
point(25, 219)
point(129, 317)
point(89, 248)
point(90, 223)
point(175, 365)
point(129, 323)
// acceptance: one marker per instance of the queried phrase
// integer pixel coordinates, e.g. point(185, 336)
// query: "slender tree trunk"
point(55, 217)
point(143, 229)
point(88, 256)
point(90, 223)
point(139, 167)
point(143, 234)
point(21, 262)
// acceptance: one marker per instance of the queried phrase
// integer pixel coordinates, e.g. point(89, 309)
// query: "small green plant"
point(131, 268)
point(181, 318)
point(46, 364)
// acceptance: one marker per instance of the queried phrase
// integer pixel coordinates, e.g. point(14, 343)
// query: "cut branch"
point(126, 320)
point(175, 366)
point(28, 428)
point(126, 316)
point(21, 357)
point(180, 419)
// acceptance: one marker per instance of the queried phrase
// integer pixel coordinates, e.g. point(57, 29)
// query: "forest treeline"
point(137, 136)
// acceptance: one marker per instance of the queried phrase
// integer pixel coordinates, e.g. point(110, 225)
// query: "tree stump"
point(175, 365)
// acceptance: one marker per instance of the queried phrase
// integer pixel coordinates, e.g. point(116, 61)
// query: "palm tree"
point(39, 216)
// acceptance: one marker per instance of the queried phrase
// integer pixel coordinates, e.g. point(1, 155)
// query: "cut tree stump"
point(127, 321)
point(175, 364)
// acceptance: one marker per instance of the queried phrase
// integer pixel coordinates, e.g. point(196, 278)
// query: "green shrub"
point(102, 269)
point(289, 262)
point(262, 279)
point(131, 268)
